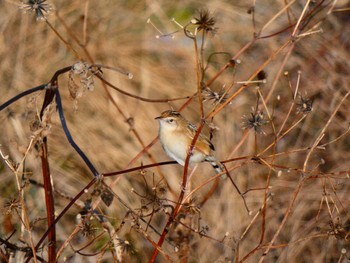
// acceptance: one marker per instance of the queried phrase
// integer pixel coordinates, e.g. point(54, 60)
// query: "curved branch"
point(138, 97)
point(21, 95)
point(69, 136)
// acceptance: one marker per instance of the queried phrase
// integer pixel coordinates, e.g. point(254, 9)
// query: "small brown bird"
point(176, 135)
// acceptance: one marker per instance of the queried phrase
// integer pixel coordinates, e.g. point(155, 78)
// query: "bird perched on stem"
point(176, 135)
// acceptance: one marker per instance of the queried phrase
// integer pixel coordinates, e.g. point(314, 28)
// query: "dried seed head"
point(205, 21)
point(304, 104)
point(215, 97)
point(254, 121)
point(161, 189)
point(87, 229)
point(12, 205)
point(125, 246)
point(193, 207)
point(40, 7)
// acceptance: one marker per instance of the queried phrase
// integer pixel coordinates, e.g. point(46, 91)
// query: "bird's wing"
point(204, 139)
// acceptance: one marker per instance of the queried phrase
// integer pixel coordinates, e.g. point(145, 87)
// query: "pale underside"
point(178, 145)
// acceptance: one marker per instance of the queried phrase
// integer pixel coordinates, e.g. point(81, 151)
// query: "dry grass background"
point(314, 201)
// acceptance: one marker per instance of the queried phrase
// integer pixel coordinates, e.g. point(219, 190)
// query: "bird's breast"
point(176, 145)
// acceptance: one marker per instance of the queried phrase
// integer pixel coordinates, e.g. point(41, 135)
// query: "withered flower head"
point(214, 96)
point(40, 7)
point(193, 207)
point(87, 229)
point(126, 246)
point(161, 189)
point(12, 205)
point(205, 21)
point(304, 104)
point(254, 121)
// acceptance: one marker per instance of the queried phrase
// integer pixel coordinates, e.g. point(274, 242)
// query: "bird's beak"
point(157, 118)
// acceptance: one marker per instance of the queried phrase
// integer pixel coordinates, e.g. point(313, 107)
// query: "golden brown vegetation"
point(267, 80)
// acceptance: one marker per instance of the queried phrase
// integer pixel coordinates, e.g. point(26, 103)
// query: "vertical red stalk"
point(50, 209)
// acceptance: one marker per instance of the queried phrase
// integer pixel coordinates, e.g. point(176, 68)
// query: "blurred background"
point(145, 39)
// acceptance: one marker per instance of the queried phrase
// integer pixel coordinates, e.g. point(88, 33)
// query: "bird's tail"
point(217, 165)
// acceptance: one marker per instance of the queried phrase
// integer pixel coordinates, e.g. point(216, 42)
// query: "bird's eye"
point(170, 120)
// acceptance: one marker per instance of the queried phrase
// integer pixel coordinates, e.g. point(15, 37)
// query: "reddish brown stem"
point(50, 208)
